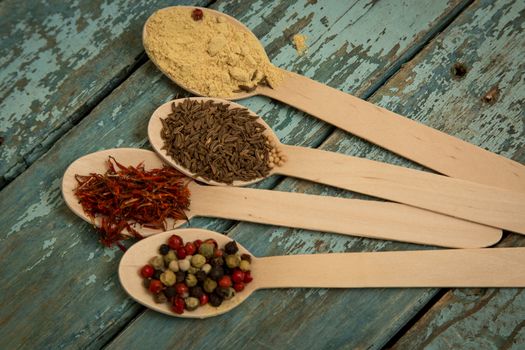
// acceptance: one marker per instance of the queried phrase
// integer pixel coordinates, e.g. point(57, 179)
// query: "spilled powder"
point(299, 41)
point(210, 56)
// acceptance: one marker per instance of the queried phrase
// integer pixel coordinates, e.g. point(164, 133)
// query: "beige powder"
point(299, 41)
point(211, 56)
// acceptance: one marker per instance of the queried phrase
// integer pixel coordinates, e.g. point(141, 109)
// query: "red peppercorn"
point(181, 253)
point(212, 241)
point(178, 306)
point(175, 242)
point(237, 276)
point(190, 248)
point(248, 277)
point(155, 286)
point(147, 271)
point(217, 252)
point(197, 14)
point(204, 299)
point(197, 243)
point(239, 286)
point(182, 290)
point(225, 282)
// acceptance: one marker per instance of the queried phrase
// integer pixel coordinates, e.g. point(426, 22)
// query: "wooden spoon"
point(483, 268)
point(320, 213)
point(417, 142)
point(463, 199)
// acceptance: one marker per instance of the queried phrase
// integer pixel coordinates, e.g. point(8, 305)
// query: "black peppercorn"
point(201, 276)
point(196, 291)
point(223, 292)
point(180, 275)
point(146, 282)
point(246, 257)
point(170, 292)
point(216, 273)
point(217, 261)
point(215, 300)
point(164, 249)
point(156, 274)
point(231, 248)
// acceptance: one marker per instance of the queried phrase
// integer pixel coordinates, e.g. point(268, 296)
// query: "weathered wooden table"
point(74, 79)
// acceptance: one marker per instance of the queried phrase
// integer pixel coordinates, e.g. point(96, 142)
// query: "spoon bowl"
point(147, 38)
point(155, 127)
point(483, 268)
point(139, 254)
point(462, 199)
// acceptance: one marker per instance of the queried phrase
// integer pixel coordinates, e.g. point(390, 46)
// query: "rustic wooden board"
point(313, 318)
point(488, 319)
point(73, 281)
point(58, 60)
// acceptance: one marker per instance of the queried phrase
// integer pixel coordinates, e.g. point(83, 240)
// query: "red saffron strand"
point(125, 196)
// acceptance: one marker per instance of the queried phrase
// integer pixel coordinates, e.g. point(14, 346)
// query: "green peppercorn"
point(160, 298)
point(198, 260)
point(225, 292)
point(209, 285)
point(232, 261)
point(231, 248)
point(181, 276)
point(215, 300)
point(206, 268)
point(193, 270)
point(191, 303)
point(157, 262)
point(207, 249)
point(168, 278)
point(191, 280)
point(216, 273)
point(245, 265)
point(169, 257)
point(174, 266)
point(196, 292)
point(246, 257)
point(184, 265)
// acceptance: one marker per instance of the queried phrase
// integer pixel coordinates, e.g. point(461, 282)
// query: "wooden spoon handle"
point(484, 204)
point(415, 141)
point(490, 267)
point(339, 215)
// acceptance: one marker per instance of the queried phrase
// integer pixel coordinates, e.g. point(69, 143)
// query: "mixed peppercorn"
point(192, 274)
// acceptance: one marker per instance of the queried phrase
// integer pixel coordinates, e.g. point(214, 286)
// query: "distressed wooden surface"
point(71, 296)
point(477, 318)
point(57, 60)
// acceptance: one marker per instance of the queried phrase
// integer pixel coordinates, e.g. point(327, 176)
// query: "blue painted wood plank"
point(45, 245)
point(57, 60)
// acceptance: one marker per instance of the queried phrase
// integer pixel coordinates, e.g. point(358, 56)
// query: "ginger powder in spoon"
point(207, 53)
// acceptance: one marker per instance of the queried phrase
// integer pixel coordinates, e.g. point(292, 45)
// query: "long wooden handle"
point(484, 204)
point(339, 215)
point(434, 149)
point(491, 267)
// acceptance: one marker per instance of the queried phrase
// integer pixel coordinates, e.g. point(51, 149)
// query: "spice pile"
point(217, 142)
point(205, 53)
point(124, 196)
point(196, 273)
